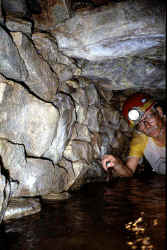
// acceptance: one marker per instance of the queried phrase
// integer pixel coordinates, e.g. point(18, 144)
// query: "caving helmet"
point(135, 106)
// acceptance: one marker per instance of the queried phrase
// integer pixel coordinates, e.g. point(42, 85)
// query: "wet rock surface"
point(41, 80)
point(22, 207)
point(12, 66)
point(25, 119)
point(54, 196)
point(65, 70)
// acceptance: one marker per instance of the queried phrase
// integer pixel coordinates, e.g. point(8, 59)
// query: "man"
point(147, 118)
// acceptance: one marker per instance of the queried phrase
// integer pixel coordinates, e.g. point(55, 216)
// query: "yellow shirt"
point(142, 145)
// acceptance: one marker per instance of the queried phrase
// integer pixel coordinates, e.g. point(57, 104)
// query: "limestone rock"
point(93, 97)
point(25, 119)
point(41, 177)
point(86, 173)
point(81, 133)
point(93, 120)
point(15, 24)
point(111, 117)
point(78, 150)
point(96, 143)
point(80, 168)
point(127, 72)
point(81, 112)
point(12, 65)
point(4, 195)
point(52, 13)
point(64, 127)
point(63, 66)
point(41, 81)
point(67, 166)
point(20, 207)
point(120, 46)
point(34, 176)
point(80, 97)
point(119, 30)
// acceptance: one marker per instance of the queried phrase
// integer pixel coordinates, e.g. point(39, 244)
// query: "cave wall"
point(63, 79)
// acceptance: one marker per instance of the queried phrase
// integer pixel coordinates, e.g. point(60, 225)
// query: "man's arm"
point(120, 169)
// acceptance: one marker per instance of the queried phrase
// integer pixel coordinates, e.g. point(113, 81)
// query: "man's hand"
point(110, 161)
point(119, 168)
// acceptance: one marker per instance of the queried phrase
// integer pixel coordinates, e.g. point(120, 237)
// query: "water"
point(96, 218)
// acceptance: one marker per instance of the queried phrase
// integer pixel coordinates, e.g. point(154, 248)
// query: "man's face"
point(151, 123)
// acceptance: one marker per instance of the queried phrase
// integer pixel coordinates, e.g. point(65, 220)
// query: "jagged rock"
point(42, 177)
point(74, 84)
point(105, 144)
point(124, 126)
point(47, 46)
point(81, 133)
point(70, 174)
point(93, 118)
point(63, 72)
point(20, 207)
point(18, 25)
point(107, 43)
point(34, 176)
point(80, 97)
point(87, 114)
point(86, 173)
point(105, 94)
point(128, 72)
point(4, 194)
point(25, 119)
point(13, 158)
point(65, 88)
point(52, 13)
point(96, 143)
point(42, 81)
point(93, 97)
point(63, 66)
point(80, 168)
point(64, 127)
point(78, 150)
point(126, 28)
point(12, 65)
point(111, 117)
point(80, 172)
point(110, 132)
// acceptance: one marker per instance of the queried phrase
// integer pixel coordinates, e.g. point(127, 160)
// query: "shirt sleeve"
point(137, 145)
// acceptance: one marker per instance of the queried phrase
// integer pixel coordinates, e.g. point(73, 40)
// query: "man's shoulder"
point(139, 135)
point(138, 144)
point(139, 139)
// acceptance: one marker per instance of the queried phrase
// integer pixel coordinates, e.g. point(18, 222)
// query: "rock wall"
point(62, 86)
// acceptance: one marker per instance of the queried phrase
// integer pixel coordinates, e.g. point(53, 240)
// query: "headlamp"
point(135, 107)
point(135, 114)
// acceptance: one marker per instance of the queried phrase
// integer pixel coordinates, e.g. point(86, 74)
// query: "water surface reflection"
point(94, 218)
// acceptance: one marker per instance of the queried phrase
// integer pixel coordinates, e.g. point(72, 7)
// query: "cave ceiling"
point(117, 44)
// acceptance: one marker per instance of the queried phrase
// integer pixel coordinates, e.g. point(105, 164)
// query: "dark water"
point(95, 218)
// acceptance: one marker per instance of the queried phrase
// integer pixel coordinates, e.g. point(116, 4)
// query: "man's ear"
point(160, 111)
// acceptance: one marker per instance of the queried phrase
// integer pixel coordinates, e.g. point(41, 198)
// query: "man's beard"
point(151, 129)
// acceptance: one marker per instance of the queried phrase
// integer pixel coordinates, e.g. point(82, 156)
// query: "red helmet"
point(135, 106)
